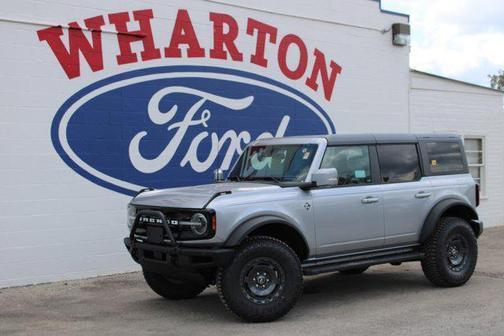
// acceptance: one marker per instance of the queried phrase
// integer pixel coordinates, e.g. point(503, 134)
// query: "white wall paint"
point(441, 105)
point(55, 224)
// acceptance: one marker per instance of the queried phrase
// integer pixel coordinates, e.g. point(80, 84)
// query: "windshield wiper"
point(234, 178)
point(264, 178)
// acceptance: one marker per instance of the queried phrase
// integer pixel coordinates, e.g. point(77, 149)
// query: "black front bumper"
point(171, 259)
point(168, 256)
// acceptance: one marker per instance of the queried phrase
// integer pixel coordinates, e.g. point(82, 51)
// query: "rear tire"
point(450, 253)
point(354, 271)
point(263, 282)
point(173, 289)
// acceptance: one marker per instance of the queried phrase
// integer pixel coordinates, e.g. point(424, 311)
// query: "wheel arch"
point(451, 207)
point(274, 227)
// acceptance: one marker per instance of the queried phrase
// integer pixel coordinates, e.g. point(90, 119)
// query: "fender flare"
point(437, 212)
point(243, 229)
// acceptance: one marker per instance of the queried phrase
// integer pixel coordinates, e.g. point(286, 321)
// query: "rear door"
point(349, 217)
point(407, 195)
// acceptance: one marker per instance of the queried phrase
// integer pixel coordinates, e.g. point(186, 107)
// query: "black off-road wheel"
point(173, 289)
point(450, 253)
point(263, 282)
point(354, 271)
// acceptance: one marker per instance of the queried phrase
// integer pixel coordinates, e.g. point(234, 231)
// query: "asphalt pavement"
point(386, 300)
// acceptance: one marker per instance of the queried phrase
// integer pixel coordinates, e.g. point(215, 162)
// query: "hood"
point(195, 197)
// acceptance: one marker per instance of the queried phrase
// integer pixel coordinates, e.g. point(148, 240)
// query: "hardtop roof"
point(370, 138)
point(386, 138)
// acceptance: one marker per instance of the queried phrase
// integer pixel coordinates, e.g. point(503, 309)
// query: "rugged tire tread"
point(218, 281)
point(261, 314)
point(434, 264)
point(173, 290)
point(218, 285)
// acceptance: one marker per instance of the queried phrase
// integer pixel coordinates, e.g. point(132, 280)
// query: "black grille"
point(179, 232)
point(149, 220)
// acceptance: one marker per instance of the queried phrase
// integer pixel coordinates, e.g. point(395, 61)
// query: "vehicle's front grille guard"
point(154, 213)
point(161, 216)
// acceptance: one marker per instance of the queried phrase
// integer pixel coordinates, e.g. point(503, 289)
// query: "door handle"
point(423, 194)
point(369, 200)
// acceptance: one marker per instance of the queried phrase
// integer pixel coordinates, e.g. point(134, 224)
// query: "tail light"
point(477, 190)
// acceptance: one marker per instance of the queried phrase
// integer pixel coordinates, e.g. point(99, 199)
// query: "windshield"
point(278, 163)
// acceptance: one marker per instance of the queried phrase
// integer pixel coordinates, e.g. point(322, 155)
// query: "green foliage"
point(497, 81)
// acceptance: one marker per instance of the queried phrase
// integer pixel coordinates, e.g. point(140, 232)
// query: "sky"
point(460, 39)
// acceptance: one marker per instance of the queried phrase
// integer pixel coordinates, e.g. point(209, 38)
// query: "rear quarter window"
point(445, 157)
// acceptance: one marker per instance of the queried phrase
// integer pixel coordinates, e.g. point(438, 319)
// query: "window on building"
point(476, 159)
point(445, 157)
point(399, 163)
point(352, 163)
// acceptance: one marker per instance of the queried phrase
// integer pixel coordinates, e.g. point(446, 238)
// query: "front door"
point(349, 217)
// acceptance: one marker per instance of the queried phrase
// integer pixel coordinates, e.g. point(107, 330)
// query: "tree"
point(497, 81)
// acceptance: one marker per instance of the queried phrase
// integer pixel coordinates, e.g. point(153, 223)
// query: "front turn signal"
point(214, 223)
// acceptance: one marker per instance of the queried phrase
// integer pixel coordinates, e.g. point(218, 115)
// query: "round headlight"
point(200, 229)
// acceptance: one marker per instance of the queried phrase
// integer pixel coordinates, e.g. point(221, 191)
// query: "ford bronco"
point(299, 206)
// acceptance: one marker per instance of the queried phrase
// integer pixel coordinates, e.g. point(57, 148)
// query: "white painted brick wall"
point(54, 224)
point(440, 105)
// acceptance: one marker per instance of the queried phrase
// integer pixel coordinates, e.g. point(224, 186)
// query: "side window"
point(445, 157)
point(399, 163)
point(352, 163)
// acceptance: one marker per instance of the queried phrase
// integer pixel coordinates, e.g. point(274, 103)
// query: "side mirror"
point(327, 177)
point(218, 175)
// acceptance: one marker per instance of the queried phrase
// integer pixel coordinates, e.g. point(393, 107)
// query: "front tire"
point(173, 289)
point(451, 253)
point(263, 282)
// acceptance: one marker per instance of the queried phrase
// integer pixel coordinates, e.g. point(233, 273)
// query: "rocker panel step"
point(362, 260)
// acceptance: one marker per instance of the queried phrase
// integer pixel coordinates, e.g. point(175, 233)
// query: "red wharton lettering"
point(185, 37)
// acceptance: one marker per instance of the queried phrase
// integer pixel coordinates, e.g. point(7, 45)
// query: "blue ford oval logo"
point(172, 126)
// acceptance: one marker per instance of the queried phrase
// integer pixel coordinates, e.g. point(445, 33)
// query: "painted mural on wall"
point(172, 125)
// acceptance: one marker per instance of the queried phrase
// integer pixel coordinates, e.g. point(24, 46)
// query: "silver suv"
point(308, 205)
